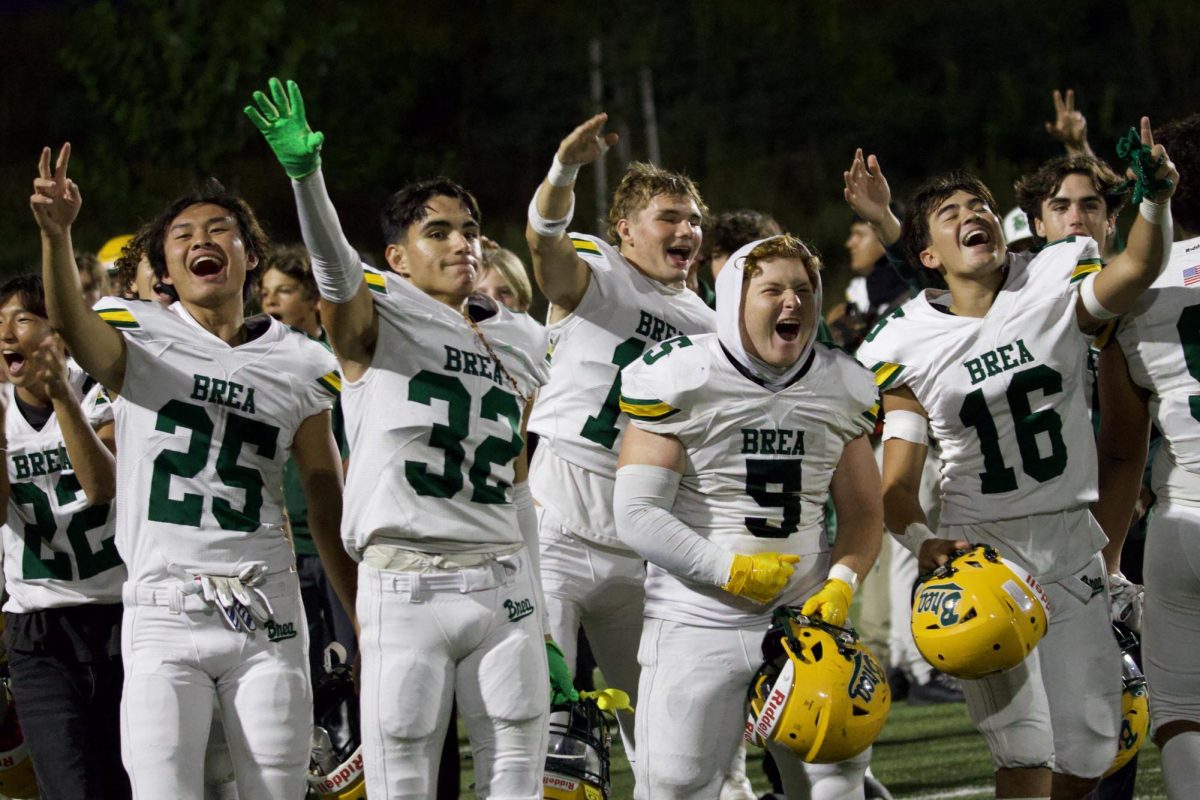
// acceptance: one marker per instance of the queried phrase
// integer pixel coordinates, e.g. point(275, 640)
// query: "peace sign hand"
point(55, 200)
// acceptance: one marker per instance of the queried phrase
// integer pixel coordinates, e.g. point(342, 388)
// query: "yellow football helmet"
point(1135, 706)
point(577, 759)
point(820, 691)
point(336, 767)
point(16, 767)
point(979, 614)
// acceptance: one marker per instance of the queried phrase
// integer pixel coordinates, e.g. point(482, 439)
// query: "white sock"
point(1181, 766)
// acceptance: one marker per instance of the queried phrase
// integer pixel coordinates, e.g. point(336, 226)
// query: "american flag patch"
point(1191, 275)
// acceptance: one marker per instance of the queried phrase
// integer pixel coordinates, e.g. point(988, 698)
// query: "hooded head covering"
point(729, 315)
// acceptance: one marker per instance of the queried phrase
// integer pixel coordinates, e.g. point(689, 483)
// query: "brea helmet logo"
point(864, 678)
point(941, 600)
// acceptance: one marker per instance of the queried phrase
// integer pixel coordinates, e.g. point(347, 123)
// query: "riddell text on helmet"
point(347, 774)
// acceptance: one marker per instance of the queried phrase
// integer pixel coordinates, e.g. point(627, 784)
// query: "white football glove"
point(242, 604)
point(1125, 600)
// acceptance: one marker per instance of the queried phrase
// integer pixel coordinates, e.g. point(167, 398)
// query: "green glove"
point(286, 130)
point(562, 689)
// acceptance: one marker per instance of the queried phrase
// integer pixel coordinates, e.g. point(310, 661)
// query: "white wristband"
point(1155, 213)
point(907, 425)
point(549, 228)
point(843, 573)
point(1087, 293)
point(560, 174)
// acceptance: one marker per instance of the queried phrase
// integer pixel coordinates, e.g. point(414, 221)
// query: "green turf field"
point(926, 752)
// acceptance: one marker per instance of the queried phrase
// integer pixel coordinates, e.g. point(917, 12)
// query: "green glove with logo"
point(562, 689)
point(282, 122)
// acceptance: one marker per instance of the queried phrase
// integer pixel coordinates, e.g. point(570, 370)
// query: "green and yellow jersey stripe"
point(647, 409)
point(119, 318)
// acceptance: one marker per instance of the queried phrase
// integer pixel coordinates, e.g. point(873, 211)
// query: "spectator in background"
point(289, 294)
point(874, 290)
point(109, 254)
point(504, 278)
point(134, 278)
point(92, 278)
point(723, 235)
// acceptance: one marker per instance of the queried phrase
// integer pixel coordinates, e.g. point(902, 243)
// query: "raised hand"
point(55, 200)
point(1069, 126)
point(586, 143)
point(867, 189)
point(283, 123)
point(1166, 177)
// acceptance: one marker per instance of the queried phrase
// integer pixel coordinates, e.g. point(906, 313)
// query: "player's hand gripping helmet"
point(335, 769)
point(820, 691)
point(578, 755)
point(1135, 703)
point(978, 614)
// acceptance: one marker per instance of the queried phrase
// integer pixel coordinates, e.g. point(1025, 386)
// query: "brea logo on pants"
point(279, 631)
point(519, 609)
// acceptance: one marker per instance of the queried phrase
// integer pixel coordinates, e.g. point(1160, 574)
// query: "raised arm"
point(858, 499)
point(92, 461)
point(320, 468)
point(904, 454)
point(1114, 290)
point(1069, 127)
point(99, 349)
point(868, 194)
point(347, 311)
point(560, 273)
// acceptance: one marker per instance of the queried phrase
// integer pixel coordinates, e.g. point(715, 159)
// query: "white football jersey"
point(621, 315)
point(58, 550)
point(203, 431)
point(1160, 338)
point(758, 463)
point(435, 425)
point(1005, 393)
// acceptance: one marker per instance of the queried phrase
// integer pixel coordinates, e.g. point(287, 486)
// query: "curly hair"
point(782, 246)
point(1181, 138)
point(1039, 186)
point(640, 184)
point(127, 262)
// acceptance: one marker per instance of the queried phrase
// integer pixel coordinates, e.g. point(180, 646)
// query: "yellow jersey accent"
point(1085, 267)
point(647, 409)
point(375, 282)
point(584, 246)
point(331, 382)
point(119, 318)
point(886, 373)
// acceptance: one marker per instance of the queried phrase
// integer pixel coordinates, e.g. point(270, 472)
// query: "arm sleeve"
point(336, 265)
point(642, 502)
point(527, 522)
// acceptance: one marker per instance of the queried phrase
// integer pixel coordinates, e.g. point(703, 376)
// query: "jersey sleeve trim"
point(119, 318)
point(376, 282)
point(886, 374)
point(1085, 267)
point(871, 415)
point(331, 383)
point(585, 246)
point(647, 409)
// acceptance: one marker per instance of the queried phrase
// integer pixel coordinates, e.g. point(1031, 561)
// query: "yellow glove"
point(609, 699)
point(760, 577)
point(831, 603)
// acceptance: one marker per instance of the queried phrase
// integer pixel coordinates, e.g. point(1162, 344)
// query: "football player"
point(211, 405)
point(437, 386)
point(1150, 370)
point(993, 368)
point(737, 439)
point(610, 301)
point(62, 572)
